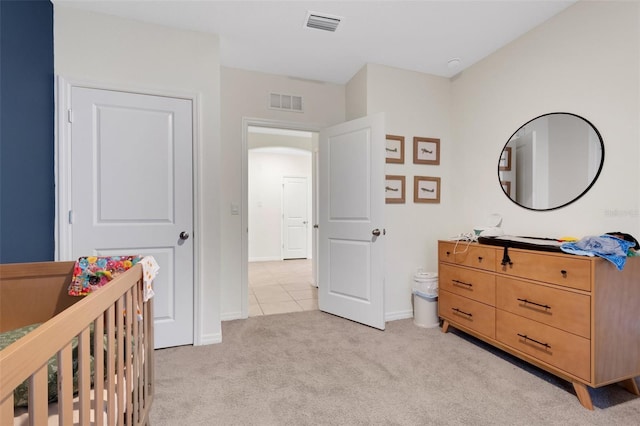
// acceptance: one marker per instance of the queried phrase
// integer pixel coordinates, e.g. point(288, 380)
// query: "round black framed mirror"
point(551, 161)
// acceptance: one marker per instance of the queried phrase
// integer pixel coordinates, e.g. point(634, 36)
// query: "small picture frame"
point(426, 189)
point(394, 189)
point(506, 187)
point(394, 149)
point(505, 160)
point(426, 151)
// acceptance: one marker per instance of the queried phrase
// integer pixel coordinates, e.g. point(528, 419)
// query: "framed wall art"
point(426, 150)
point(506, 187)
point(426, 189)
point(394, 189)
point(505, 160)
point(395, 149)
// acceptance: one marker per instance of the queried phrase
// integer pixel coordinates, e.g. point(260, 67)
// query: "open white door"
point(351, 210)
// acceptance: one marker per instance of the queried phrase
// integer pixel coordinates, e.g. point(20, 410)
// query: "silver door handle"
point(184, 235)
point(376, 232)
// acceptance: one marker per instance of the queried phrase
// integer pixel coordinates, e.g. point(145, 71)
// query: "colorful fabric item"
point(150, 269)
point(92, 272)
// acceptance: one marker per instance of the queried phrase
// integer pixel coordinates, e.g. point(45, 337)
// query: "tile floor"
point(281, 286)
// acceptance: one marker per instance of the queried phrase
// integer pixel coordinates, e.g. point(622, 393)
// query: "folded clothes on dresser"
point(608, 247)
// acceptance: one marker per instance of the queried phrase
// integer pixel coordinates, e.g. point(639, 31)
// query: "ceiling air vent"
point(321, 21)
point(285, 102)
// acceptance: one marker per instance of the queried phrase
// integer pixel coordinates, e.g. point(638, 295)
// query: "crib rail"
point(121, 377)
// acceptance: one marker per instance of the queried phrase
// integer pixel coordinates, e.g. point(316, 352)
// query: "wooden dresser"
point(577, 317)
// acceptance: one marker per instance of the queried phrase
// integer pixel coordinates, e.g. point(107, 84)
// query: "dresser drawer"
point(466, 312)
point(476, 285)
point(562, 270)
point(464, 253)
point(558, 308)
point(558, 348)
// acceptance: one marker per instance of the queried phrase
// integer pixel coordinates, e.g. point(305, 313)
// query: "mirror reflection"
point(551, 161)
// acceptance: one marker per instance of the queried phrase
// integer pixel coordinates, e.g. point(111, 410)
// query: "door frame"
point(244, 198)
point(62, 177)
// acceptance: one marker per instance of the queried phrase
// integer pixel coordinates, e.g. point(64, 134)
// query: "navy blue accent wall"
point(27, 199)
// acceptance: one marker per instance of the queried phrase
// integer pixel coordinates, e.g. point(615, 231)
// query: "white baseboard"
point(209, 339)
point(394, 316)
point(231, 316)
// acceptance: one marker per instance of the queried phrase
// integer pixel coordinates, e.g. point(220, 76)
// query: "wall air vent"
point(322, 21)
point(285, 102)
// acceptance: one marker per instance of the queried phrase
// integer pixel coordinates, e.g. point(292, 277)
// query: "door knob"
point(184, 235)
point(376, 232)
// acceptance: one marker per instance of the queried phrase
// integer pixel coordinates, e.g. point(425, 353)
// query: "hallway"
point(280, 287)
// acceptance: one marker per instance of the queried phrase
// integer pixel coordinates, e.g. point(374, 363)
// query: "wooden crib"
point(113, 371)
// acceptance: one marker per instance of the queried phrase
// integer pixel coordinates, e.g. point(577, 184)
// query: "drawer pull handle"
point(564, 273)
point(448, 253)
point(525, 301)
point(462, 312)
point(525, 337)
point(506, 260)
point(480, 259)
point(462, 283)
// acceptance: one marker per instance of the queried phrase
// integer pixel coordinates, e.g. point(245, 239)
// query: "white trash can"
point(425, 299)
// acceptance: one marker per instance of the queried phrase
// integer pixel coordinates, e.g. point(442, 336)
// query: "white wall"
point(267, 170)
point(137, 56)
point(415, 104)
point(584, 61)
point(356, 93)
point(245, 95)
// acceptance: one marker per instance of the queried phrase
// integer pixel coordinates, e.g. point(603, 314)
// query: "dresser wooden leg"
point(583, 395)
point(445, 326)
point(630, 385)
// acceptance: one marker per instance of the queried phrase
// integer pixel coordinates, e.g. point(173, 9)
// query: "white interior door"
point(351, 216)
point(131, 190)
point(295, 201)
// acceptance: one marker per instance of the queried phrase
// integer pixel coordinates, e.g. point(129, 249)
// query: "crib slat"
point(127, 355)
point(120, 308)
point(150, 345)
point(37, 397)
point(84, 377)
point(111, 366)
point(98, 368)
point(6, 410)
point(136, 355)
point(65, 385)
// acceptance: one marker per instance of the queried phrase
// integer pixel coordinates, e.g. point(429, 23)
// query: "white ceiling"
point(269, 36)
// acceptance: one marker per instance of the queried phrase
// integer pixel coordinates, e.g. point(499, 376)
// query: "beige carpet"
point(311, 368)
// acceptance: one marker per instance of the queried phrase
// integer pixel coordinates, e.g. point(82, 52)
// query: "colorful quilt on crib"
point(92, 272)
